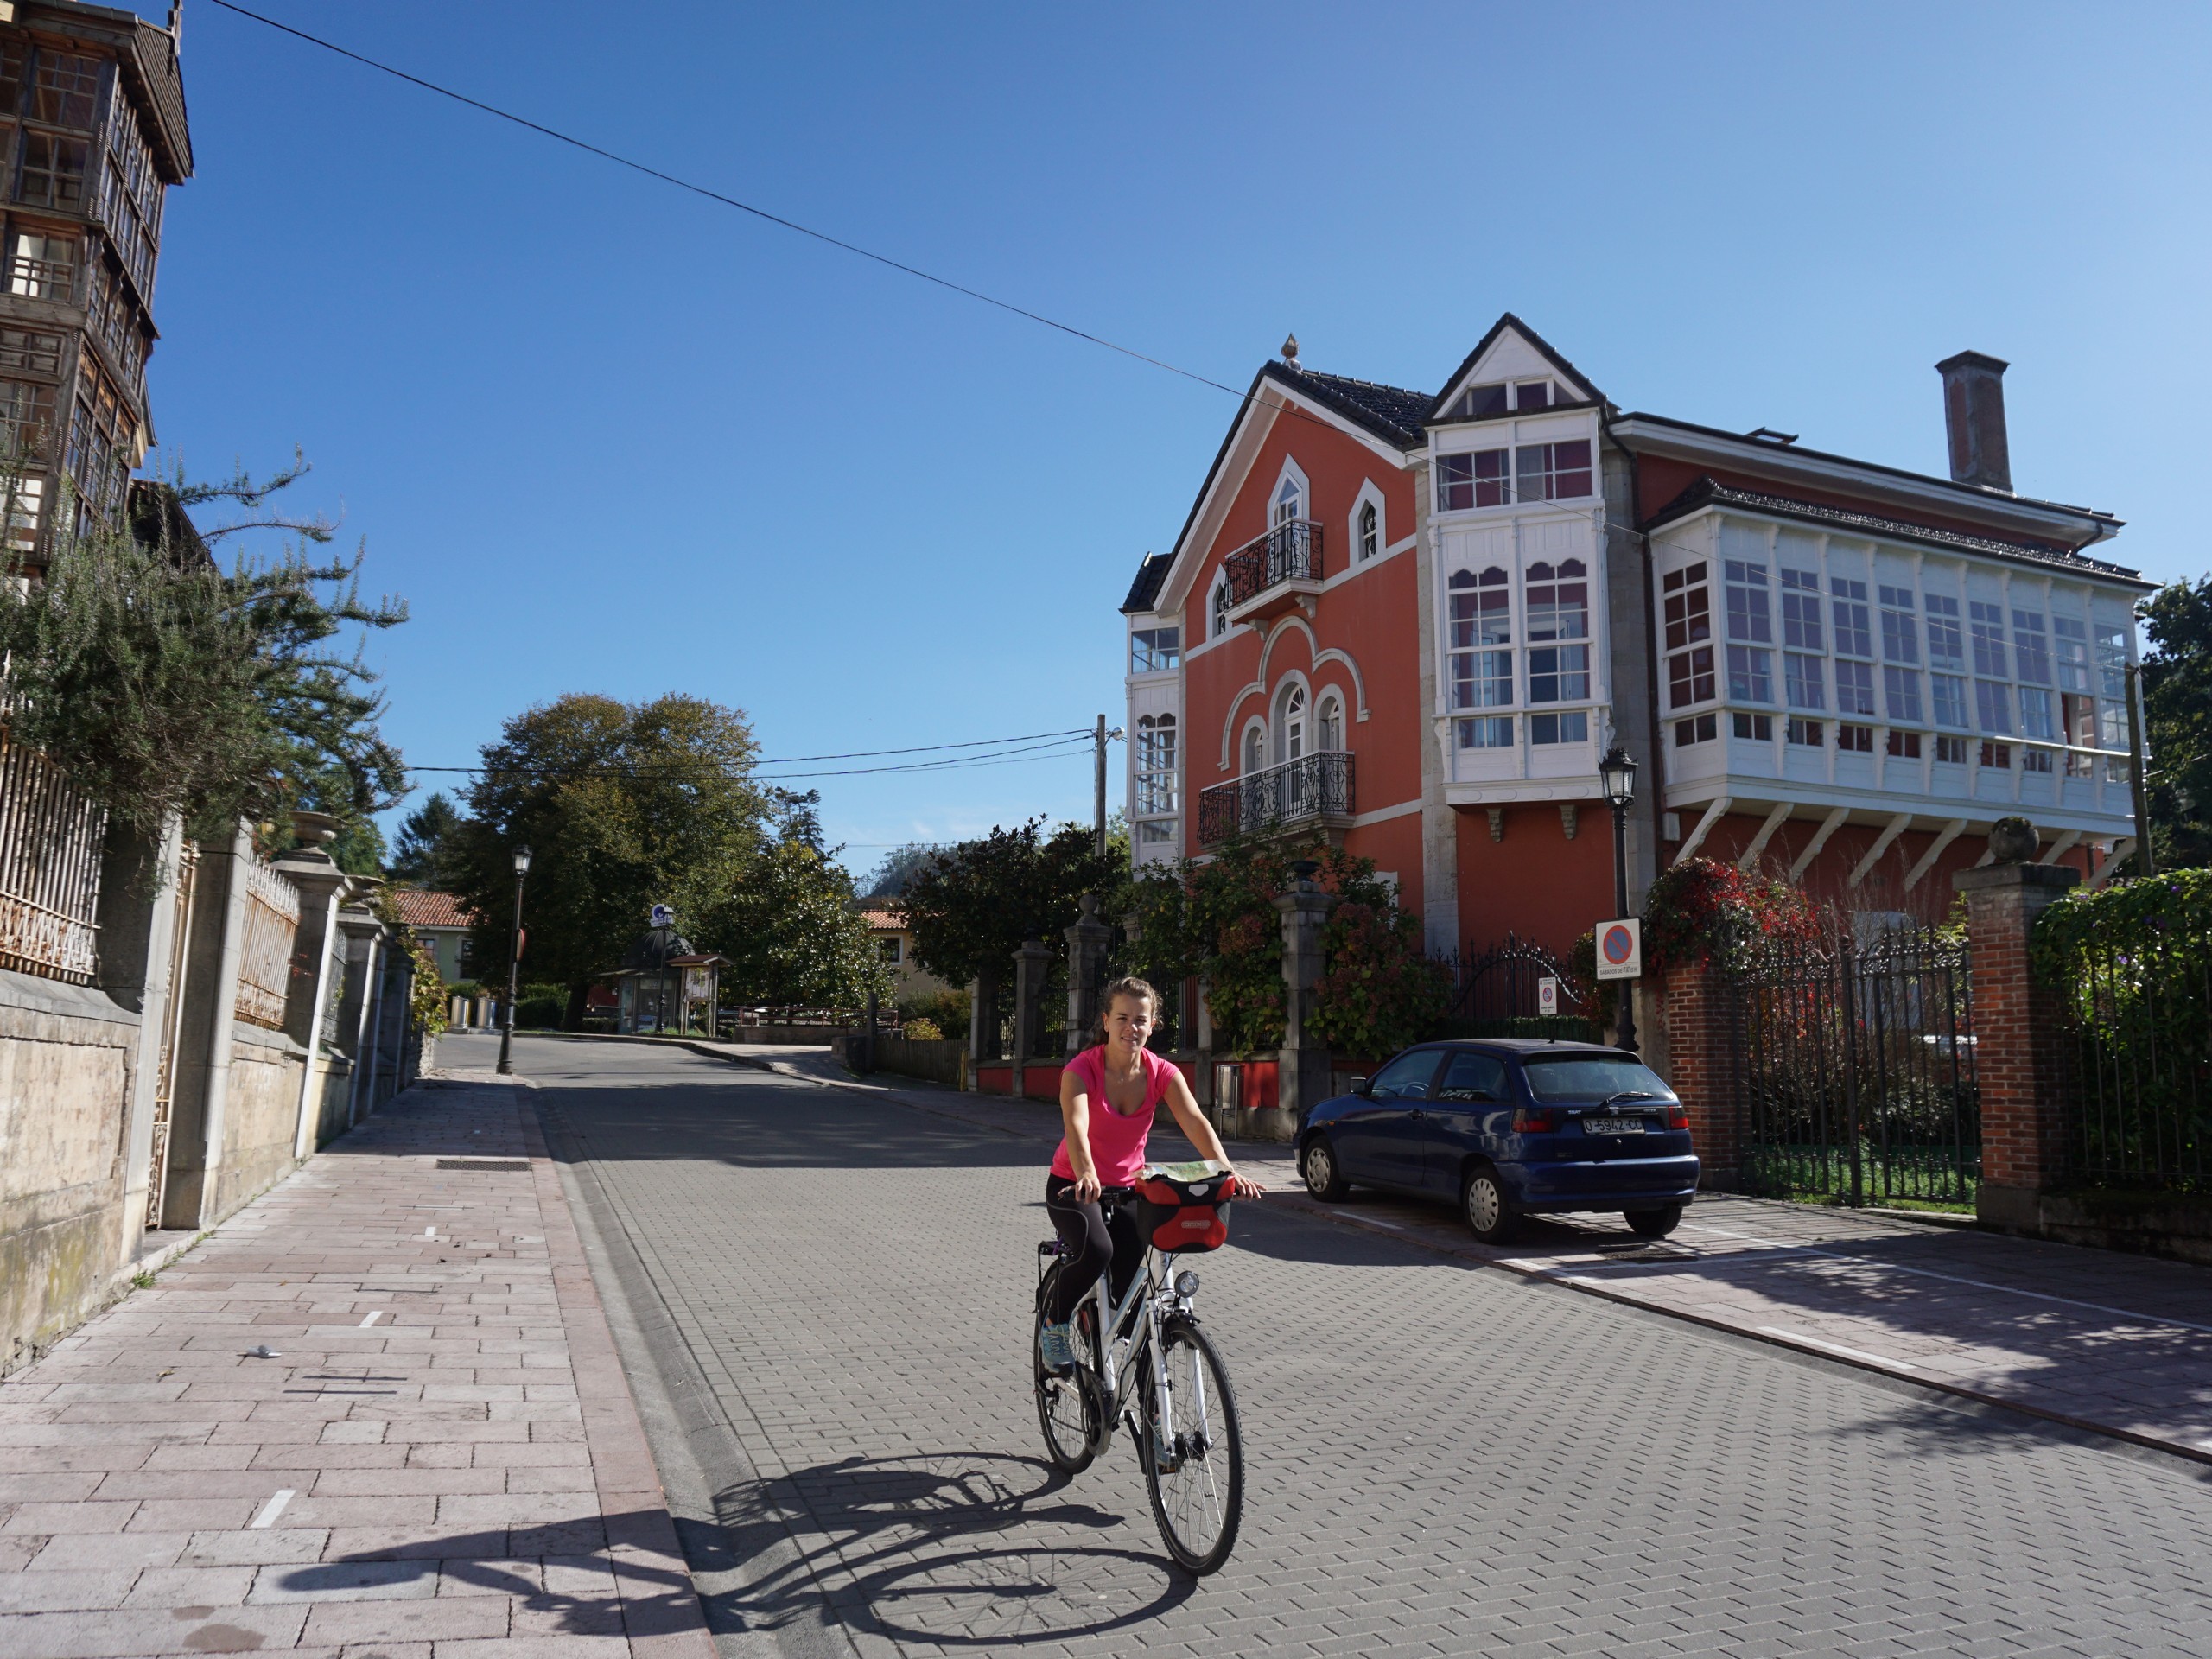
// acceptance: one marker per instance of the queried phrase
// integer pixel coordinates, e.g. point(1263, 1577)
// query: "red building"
point(1412, 622)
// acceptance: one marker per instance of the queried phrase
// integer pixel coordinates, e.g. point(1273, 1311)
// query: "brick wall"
point(1702, 1053)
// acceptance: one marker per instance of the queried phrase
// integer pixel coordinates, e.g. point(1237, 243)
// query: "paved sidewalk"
point(439, 1457)
point(2118, 1345)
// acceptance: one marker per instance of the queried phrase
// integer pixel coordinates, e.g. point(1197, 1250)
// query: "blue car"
point(1510, 1127)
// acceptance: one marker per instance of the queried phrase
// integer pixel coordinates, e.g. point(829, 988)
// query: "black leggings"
point(1093, 1243)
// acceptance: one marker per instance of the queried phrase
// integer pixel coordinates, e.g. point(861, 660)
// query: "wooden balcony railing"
point(1289, 552)
point(1311, 790)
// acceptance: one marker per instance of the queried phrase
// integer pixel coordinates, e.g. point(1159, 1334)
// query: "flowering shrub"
point(1704, 910)
point(922, 1031)
point(1379, 993)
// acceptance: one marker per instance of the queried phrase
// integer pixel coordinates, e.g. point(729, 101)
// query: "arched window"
point(1256, 748)
point(1331, 738)
point(1557, 621)
point(1290, 723)
point(1290, 500)
point(1370, 528)
point(1481, 655)
point(1220, 606)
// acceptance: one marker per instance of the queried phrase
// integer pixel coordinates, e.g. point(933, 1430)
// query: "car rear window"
point(1590, 1076)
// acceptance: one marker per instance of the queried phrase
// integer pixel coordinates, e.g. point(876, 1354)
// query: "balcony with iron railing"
point(1313, 792)
point(1275, 572)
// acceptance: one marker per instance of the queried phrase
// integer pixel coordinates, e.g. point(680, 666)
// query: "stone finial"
point(2012, 840)
point(1087, 904)
point(1302, 871)
point(1290, 350)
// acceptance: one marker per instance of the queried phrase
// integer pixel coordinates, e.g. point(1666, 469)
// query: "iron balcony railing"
point(1298, 792)
point(1289, 552)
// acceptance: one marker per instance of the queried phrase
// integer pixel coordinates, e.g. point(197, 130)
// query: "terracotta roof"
point(882, 919)
point(419, 907)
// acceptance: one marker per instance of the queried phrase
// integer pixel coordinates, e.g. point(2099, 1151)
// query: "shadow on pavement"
point(923, 1548)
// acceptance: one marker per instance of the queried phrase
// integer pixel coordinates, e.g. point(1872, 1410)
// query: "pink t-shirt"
point(1116, 1139)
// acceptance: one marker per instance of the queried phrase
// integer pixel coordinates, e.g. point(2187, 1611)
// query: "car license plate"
point(1612, 1125)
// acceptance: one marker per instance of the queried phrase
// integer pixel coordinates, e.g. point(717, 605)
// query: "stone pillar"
point(1029, 965)
point(1087, 942)
point(1703, 1062)
point(2021, 1051)
point(983, 1024)
point(1304, 1078)
point(364, 937)
point(138, 916)
point(315, 962)
point(200, 1093)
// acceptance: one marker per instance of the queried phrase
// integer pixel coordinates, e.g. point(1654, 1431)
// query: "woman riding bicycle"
point(1108, 1093)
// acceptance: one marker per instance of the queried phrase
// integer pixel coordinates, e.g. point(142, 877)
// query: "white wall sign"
point(1547, 995)
point(1620, 949)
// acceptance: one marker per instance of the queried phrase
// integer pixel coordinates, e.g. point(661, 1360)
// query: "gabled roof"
point(420, 907)
point(885, 919)
point(1706, 493)
point(1508, 321)
point(1146, 588)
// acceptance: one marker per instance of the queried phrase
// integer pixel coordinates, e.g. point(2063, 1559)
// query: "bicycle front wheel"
point(1194, 1459)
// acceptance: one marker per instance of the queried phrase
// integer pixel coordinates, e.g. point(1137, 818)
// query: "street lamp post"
point(1616, 777)
point(514, 966)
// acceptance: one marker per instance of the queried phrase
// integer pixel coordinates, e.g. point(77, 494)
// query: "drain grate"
point(521, 1164)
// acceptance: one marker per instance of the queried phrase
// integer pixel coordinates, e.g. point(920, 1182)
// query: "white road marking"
point(273, 1508)
point(1836, 1347)
point(373, 1319)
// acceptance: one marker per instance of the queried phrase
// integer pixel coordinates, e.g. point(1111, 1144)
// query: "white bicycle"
point(1147, 1364)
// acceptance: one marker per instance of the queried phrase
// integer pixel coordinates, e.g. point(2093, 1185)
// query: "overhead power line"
point(1035, 745)
point(762, 214)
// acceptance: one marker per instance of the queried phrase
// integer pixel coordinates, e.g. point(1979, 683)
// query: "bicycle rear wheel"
point(1068, 1407)
point(1194, 1462)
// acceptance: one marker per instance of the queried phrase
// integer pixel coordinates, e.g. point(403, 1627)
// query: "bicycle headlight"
point(1186, 1283)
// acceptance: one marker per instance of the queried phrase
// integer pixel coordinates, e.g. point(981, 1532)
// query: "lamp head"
point(522, 860)
point(1617, 777)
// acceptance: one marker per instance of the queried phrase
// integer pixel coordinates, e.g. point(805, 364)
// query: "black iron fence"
point(1289, 552)
point(2143, 1027)
point(1298, 792)
point(1857, 1070)
point(1500, 993)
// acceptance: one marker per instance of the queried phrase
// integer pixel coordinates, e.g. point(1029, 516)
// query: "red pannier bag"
point(1183, 1206)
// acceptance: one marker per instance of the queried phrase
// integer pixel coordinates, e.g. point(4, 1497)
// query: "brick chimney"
point(1973, 415)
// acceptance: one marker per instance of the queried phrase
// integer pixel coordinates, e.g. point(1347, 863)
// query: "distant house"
point(441, 922)
point(887, 924)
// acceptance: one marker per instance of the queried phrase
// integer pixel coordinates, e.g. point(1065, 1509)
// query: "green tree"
point(2177, 710)
point(163, 686)
point(791, 935)
point(897, 867)
point(423, 849)
point(624, 806)
point(970, 906)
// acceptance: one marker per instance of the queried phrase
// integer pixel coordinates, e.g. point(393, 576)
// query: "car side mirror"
point(1363, 1086)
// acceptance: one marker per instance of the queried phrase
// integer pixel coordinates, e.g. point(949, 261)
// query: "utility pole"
point(1098, 742)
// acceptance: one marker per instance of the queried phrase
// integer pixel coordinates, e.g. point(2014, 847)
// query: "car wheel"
point(1325, 1177)
point(1489, 1212)
point(1654, 1224)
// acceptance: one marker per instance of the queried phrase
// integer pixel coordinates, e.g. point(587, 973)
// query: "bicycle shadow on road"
point(973, 1549)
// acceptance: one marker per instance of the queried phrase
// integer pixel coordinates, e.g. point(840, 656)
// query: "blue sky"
point(606, 436)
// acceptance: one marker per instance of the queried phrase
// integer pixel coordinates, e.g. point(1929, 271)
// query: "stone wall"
point(66, 1062)
point(261, 1117)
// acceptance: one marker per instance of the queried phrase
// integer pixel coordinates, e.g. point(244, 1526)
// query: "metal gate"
point(1857, 1070)
point(1498, 994)
point(188, 882)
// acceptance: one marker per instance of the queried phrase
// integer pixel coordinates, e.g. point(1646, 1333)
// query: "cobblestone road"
point(1442, 1458)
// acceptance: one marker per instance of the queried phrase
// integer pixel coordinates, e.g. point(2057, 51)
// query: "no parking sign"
point(1620, 950)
